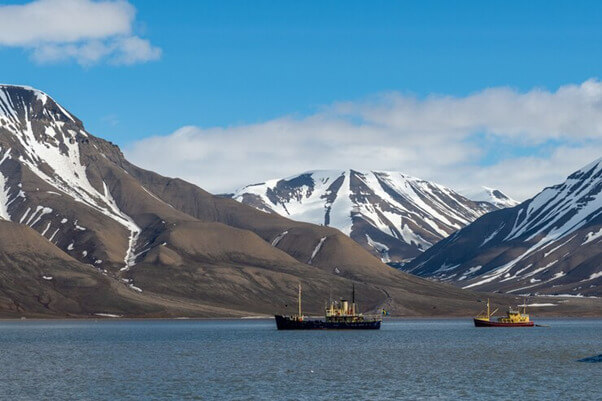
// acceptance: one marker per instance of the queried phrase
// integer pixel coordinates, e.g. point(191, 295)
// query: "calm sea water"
point(250, 360)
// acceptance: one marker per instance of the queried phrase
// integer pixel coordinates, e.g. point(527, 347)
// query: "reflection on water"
point(241, 360)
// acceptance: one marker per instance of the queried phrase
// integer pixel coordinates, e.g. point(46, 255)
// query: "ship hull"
point(285, 323)
point(485, 323)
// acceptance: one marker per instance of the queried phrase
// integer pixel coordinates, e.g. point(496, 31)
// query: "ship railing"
point(372, 317)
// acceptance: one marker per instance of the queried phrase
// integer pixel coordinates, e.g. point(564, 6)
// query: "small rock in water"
point(592, 359)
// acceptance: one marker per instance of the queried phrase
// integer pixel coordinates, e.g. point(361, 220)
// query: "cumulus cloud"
point(83, 30)
point(452, 140)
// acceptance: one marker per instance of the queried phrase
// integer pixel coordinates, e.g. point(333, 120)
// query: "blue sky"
point(236, 64)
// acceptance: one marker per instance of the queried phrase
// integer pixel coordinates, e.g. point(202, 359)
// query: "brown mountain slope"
point(37, 278)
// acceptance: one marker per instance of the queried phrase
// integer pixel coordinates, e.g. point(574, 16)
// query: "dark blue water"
point(250, 360)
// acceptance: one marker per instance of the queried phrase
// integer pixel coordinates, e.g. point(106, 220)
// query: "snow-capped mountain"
point(393, 215)
point(549, 244)
point(83, 231)
point(491, 195)
point(43, 166)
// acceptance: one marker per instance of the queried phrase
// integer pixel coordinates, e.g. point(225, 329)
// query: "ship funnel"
point(345, 306)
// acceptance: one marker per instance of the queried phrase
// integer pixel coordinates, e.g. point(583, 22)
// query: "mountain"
point(392, 215)
point(120, 240)
point(550, 244)
point(491, 196)
point(83, 232)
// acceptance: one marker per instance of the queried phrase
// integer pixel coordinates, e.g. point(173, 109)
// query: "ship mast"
point(488, 314)
point(353, 299)
point(299, 299)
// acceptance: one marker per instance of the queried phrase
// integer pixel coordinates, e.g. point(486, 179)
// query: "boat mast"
point(353, 299)
point(488, 314)
point(299, 299)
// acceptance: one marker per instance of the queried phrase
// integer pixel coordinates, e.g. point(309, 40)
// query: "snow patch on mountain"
point(340, 210)
point(279, 238)
point(592, 236)
point(4, 190)
point(382, 249)
point(316, 250)
point(492, 235)
point(126, 221)
point(3, 198)
point(37, 215)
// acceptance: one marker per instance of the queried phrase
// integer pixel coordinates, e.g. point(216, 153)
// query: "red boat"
point(482, 323)
point(513, 318)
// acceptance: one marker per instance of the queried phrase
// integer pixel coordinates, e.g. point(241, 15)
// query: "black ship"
point(338, 316)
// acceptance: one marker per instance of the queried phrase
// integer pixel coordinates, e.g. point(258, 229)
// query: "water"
point(250, 360)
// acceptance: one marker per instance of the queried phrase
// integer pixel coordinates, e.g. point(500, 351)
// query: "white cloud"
point(83, 30)
point(432, 138)
point(523, 177)
point(573, 110)
point(133, 50)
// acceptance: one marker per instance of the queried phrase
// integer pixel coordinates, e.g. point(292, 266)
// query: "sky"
point(225, 93)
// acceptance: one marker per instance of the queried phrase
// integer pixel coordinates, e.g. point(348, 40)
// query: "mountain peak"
point(491, 195)
point(23, 88)
point(393, 215)
point(329, 174)
point(592, 167)
point(37, 129)
point(19, 104)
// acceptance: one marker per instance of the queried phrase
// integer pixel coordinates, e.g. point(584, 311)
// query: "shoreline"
point(561, 307)
point(256, 318)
